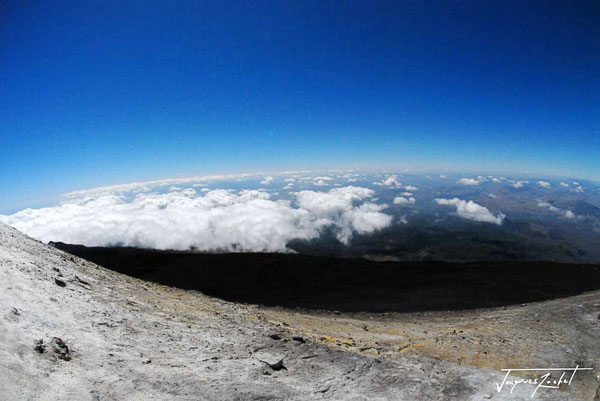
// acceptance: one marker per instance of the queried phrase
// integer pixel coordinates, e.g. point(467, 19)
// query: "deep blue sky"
point(99, 92)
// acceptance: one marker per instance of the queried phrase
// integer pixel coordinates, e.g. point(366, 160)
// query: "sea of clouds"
point(210, 220)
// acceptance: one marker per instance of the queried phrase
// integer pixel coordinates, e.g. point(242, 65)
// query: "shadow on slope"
point(348, 285)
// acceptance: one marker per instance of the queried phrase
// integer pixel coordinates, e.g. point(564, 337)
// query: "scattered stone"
point(82, 281)
point(56, 269)
point(300, 339)
point(275, 336)
point(365, 328)
point(61, 349)
point(487, 396)
point(324, 390)
point(277, 366)
point(598, 316)
point(40, 346)
point(60, 283)
point(15, 312)
point(147, 361)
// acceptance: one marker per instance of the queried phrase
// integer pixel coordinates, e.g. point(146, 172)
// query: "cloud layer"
point(247, 220)
point(472, 211)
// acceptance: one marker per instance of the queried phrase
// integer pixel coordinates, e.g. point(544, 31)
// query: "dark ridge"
point(348, 285)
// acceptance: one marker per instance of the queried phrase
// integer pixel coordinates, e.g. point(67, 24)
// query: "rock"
point(147, 361)
point(300, 339)
point(277, 366)
point(275, 336)
point(60, 283)
point(81, 281)
point(61, 349)
point(40, 346)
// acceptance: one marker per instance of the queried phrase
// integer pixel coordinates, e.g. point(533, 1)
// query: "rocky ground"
point(71, 330)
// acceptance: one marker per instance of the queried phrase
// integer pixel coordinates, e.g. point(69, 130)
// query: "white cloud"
point(544, 184)
point(146, 185)
point(406, 194)
point(410, 188)
point(579, 189)
point(391, 181)
point(565, 213)
point(468, 181)
point(575, 183)
point(214, 220)
point(496, 179)
point(290, 180)
point(472, 211)
point(443, 176)
point(400, 200)
point(564, 184)
point(492, 196)
point(402, 220)
point(289, 186)
point(267, 180)
point(519, 184)
point(336, 208)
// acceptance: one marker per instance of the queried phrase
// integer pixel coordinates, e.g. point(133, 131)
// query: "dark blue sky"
point(99, 92)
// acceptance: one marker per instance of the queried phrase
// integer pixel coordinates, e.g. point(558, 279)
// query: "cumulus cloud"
point(565, 213)
point(391, 181)
point(212, 220)
point(519, 184)
point(337, 208)
point(544, 184)
point(471, 210)
point(468, 181)
point(443, 176)
point(400, 200)
point(564, 184)
point(410, 188)
point(267, 180)
point(496, 180)
point(579, 189)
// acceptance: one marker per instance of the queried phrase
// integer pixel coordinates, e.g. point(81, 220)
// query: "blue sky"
point(98, 92)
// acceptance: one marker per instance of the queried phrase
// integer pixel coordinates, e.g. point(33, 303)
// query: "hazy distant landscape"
point(349, 213)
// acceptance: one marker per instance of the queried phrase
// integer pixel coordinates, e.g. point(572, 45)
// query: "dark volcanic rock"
point(346, 284)
point(40, 346)
point(61, 349)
